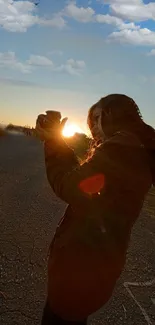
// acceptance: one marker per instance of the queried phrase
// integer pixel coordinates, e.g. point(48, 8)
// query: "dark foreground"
point(29, 213)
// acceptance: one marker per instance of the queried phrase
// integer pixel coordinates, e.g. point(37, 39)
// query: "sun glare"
point(70, 129)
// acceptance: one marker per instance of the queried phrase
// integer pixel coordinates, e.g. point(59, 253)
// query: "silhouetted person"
point(105, 196)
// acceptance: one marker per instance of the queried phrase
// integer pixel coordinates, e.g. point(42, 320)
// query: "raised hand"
point(49, 125)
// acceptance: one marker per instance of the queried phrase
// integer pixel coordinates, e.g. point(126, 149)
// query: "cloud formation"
point(143, 36)
point(40, 61)
point(18, 16)
point(8, 60)
point(132, 10)
point(115, 21)
point(86, 15)
point(125, 16)
point(80, 14)
point(72, 67)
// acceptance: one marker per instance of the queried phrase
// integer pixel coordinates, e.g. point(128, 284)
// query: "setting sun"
point(70, 129)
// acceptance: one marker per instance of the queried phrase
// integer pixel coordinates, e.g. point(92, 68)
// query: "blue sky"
point(67, 54)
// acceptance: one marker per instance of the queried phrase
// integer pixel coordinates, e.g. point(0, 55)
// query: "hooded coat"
point(104, 196)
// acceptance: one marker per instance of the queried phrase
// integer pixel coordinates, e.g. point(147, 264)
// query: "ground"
point(29, 213)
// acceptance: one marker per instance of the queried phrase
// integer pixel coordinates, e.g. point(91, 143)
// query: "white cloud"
point(9, 60)
point(132, 10)
point(18, 16)
point(125, 14)
point(87, 14)
point(142, 36)
point(42, 61)
point(112, 20)
point(151, 53)
point(73, 67)
point(80, 14)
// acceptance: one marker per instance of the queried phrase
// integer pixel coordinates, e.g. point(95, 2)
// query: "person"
point(105, 196)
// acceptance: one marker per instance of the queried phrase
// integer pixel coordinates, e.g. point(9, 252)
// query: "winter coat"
point(105, 196)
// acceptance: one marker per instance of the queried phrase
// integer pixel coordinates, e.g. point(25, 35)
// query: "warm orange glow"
point(93, 184)
point(70, 129)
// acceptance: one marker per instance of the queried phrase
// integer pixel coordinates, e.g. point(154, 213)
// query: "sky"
point(66, 55)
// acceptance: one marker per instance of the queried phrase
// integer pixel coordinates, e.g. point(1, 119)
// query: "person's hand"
point(49, 125)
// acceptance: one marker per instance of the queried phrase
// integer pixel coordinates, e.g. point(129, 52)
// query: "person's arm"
point(70, 181)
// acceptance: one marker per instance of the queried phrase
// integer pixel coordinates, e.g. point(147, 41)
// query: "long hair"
point(120, 112)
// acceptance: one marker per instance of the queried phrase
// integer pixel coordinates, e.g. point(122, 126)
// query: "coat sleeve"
point(77, 184)
point(71, 182)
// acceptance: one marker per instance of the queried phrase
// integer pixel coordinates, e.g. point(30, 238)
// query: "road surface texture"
point(29, 213)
